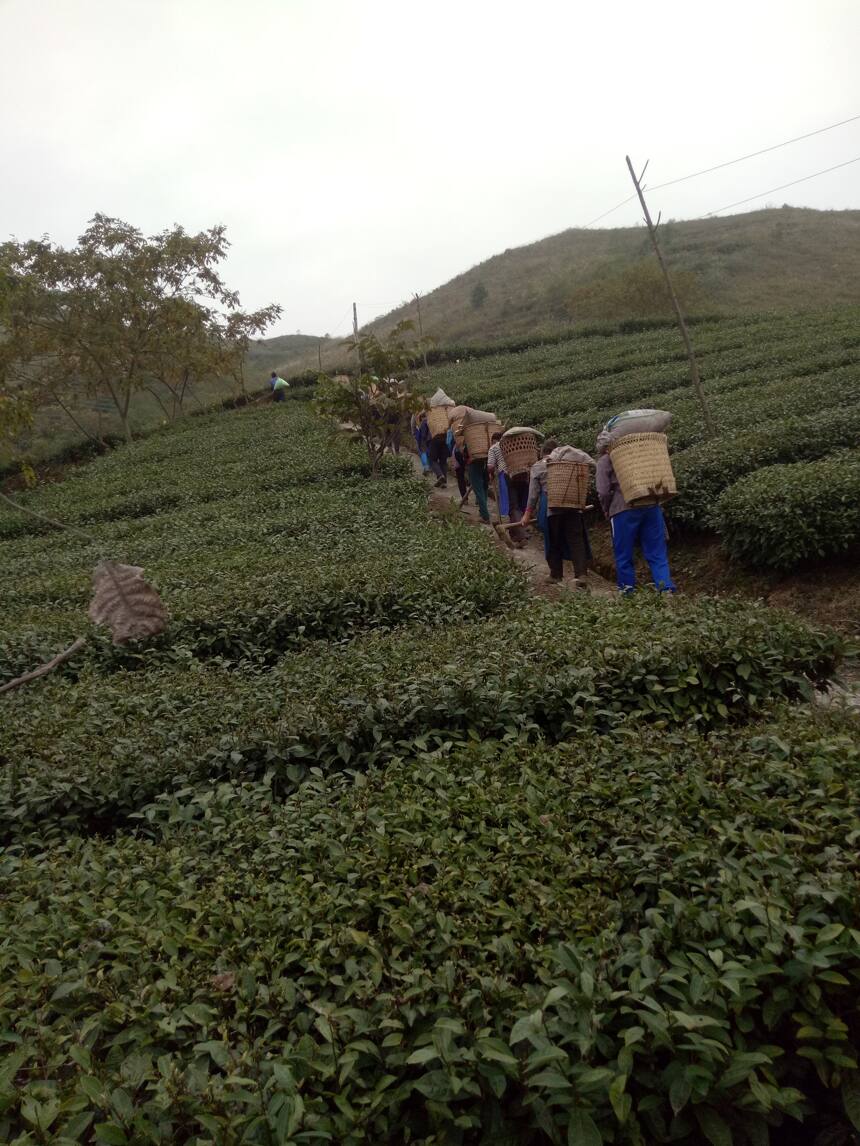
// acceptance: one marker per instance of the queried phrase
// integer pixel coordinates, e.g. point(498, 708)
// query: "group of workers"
point(523, 498)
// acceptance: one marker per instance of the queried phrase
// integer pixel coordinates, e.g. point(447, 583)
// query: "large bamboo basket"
point(567, 484)
point(478, 437)
point(641, 463)
point(520, 452)
point(437, 420)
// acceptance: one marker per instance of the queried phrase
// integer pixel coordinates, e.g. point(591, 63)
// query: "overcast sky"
point(369, 150)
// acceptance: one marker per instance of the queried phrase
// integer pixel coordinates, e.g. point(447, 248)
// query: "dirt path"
point(530, 558)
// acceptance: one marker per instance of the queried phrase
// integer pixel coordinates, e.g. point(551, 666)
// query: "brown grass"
point(777, 259)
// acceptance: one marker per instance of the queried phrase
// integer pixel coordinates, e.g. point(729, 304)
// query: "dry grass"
point(777, 259)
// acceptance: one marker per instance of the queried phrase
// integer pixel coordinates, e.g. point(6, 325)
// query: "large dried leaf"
point(125, 603)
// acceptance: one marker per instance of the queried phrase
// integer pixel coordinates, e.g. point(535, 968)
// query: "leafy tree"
point(117, 313)
point(479, 295)
point(376, 400)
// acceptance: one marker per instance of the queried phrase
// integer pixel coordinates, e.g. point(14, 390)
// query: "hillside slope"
point(781, 259)
point(287, 353)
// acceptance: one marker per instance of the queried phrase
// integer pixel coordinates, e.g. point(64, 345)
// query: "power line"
point(609, 212)
point(783, 186)
point(730, 163)
point(337, 326)
point(753, 154)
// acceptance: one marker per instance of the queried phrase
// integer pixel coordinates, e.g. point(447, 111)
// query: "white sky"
point(368, 150)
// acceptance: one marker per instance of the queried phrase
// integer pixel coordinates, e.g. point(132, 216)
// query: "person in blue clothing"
point(279, 387)
point(631, 525)
point(421, 433)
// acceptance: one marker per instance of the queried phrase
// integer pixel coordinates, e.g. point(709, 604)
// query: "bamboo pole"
point(685, 334)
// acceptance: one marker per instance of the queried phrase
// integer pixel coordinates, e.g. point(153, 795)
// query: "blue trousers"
point(645, 526)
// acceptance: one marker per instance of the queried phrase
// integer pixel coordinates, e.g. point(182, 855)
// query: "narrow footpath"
point(530, 558)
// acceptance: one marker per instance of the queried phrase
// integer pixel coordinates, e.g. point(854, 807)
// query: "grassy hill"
point(781, 259)
point(287, 353)
point(784, 259)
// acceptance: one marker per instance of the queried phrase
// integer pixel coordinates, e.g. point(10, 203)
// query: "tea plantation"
point(782, 389)
point(370, 846)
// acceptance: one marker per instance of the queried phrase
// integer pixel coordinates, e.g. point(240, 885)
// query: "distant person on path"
point(513, 492)
point(476, 470)
point(497, 469)
point(564, 532)
point(421, 433)
point(279, 387)
point(438, 455)
point(392, 421)
point(630, 525)
point(459, 464)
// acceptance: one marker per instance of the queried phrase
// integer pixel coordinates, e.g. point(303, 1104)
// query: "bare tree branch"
point(47, 667)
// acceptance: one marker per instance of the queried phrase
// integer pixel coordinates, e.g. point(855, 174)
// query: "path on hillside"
point(530, 558)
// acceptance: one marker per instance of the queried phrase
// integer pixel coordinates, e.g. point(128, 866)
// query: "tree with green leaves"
point(479, 295)
point(118, 313)
point(377, 398)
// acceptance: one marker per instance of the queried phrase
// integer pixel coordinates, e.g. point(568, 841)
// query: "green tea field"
point(779, 483)
point(370, 845)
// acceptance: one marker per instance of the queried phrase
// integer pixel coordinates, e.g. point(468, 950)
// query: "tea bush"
point(643, 937)
point(369, 847)
point(259, 532)
point(704, 471)
point(783, 515)
point(93, 751)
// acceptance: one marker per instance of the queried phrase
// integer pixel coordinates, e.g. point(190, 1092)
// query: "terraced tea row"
point(638, 937)
point(781, 389)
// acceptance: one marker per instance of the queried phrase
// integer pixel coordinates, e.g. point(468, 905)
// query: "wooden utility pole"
point(421, 330)
point(355, 336)
point(685, 334)
point(319, 355)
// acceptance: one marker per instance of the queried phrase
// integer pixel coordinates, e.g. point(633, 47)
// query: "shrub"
point(704, 471)
point(783, 515)
point(92, 752)
point(280, 541)
point(629, 939)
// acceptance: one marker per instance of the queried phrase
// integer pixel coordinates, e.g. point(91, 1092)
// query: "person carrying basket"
point(560, 515)
point(642, 524)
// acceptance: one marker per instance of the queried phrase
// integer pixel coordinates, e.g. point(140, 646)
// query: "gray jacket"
point(608, 489)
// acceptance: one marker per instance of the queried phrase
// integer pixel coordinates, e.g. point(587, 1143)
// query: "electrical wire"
point(753, 154)
point(730, 163)
point(783, 186)
point(609, 212)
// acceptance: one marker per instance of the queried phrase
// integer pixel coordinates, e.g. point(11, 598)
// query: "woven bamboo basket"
point(437, 420)
point(641, 463)
point(479, 437)
point(520, 452)
point(567, 485)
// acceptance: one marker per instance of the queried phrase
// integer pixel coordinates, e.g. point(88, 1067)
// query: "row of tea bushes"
point(781, 516)
point(643, 937)
point(90, 753)
point(703, 472)
point(781, 389)
point(778, 345)
point(196, 462)
point(259, 532)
